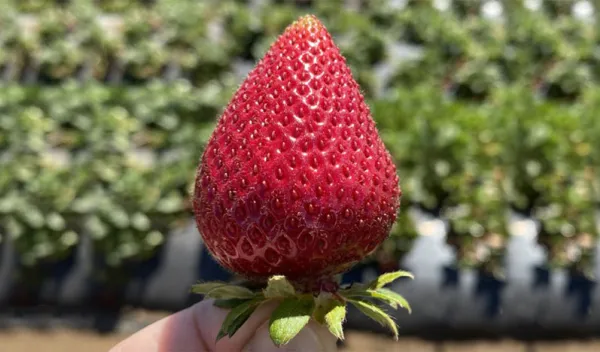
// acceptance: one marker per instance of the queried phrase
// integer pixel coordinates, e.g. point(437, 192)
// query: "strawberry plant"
point(424, 70)
point(141, 218)
point(241, 29)
point(413, 21)
point(478, 223)
point(144, 56)
point(477, 208)
point(132, 206)
point(59, 55)
point(199, 55)
point(473, 80)
point(557, 8)
point(529, 146)
point(569, 229)
point(33, 5)
point(42, 223)
point(76, 125)
point(564, 80)
point(590, 128)
point(567, 207)
point(36, 206)
point(116, 5)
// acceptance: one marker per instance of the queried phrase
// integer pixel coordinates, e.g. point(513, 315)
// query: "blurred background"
point(489, 108)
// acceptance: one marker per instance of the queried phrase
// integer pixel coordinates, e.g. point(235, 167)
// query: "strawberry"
point(295, 186)
point(295, 179)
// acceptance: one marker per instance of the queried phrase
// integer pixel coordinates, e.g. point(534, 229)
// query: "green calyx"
point(296, 309)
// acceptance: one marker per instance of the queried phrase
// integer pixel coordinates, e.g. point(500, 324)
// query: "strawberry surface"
point(295, 179)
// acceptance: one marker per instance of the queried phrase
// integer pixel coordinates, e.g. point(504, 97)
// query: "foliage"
point(484, 105)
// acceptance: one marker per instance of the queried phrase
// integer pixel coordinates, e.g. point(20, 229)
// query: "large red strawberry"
point(295, 186)
point(295, 179)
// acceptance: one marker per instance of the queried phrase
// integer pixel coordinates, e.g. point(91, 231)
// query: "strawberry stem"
point(328, 284)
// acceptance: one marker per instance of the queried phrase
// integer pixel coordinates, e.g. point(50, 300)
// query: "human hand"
point(195, 329)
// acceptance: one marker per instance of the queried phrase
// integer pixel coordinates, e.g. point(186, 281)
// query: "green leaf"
point(323, 304)
point(229, 303)
point(376, 314)
point(237, 317)
point(335, 318)
point(279, 286)
point(230, 292)
point(205, 287)
point(221, 290)
point(388, 296)
point(387, 278)
point(391, 296)
point(289, 318)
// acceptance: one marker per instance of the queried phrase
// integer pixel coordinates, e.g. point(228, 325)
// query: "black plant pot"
point(185, 261)
point(447, 302)
point(73, 278)
point(109, 283)
point(42, 283)
point(7, 270)
point(529, 302)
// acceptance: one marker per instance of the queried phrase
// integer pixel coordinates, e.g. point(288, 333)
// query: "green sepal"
point(323, 304)
point(359, 295)
point(331, 312)
point(289, 318)
point(377, 314)
point(335, 319)
point(237, 317)
point(394, 299)
point(279, 286)
point(296, 309)
point(219, 290)
point(205, 287)
point(383, 294)
point(387, 278)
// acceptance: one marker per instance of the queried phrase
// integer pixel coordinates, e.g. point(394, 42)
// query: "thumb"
point(313, 338)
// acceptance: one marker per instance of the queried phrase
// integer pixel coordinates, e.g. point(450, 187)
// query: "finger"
point(194, 329)
point(176, 333)
point(209, 319)
point(313, 338)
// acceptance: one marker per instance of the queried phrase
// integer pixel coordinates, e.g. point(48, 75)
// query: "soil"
point(66, 340)
point(74, 341)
